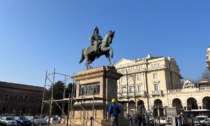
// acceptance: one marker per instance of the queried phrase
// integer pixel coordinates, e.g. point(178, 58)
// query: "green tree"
point(205, 75)
point(70, 89)
point(70, 92)
point(56, 92)
point(57, 89)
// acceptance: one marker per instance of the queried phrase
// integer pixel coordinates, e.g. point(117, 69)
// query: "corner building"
point(157, 82)
point(147, 79)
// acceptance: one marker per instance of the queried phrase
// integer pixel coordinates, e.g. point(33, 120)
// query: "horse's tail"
point(82, 56)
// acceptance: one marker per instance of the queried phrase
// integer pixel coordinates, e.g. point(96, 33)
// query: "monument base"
point(94, 91)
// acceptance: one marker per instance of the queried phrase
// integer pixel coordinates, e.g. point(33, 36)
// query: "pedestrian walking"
point(114, 110)
point(140, 112)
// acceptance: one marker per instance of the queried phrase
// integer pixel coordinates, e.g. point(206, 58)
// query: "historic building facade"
point(208, 58)
point(157, 82)
point(20, 99)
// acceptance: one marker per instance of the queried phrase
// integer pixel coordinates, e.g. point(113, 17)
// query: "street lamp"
point(192, 119)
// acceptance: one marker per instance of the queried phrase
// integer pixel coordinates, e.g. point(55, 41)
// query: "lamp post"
point(192, 119)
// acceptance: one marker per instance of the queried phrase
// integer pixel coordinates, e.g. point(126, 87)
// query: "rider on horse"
point(95, 39)
point(99, 46)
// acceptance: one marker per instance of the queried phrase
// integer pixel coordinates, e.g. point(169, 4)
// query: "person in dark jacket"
point(114, 110)
point(140, 112)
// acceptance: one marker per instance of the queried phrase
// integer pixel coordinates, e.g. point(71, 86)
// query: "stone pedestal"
point(94, 91)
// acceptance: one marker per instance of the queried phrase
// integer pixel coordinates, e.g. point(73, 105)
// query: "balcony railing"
point(141, 94)
point(125, 95)
point(131, 94)
point(157, 67)
point(204, 88)
point(190, 90)
point(122, 95)
point(174, 91)
point(161, 92)
point(157, 93)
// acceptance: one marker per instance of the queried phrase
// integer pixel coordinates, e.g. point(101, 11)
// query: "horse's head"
point(110, 36)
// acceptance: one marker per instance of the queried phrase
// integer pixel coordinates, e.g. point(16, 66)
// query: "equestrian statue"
point(99, 46)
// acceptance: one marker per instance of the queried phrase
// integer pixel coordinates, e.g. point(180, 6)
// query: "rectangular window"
point(155, 87)
point(139, 87)
point(138, 77)
point(122, 80)
point(154, 75)
point(131, 88)
point(156, 64)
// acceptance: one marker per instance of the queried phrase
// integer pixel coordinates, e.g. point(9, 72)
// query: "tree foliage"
point(205, 75)
point(71, 89)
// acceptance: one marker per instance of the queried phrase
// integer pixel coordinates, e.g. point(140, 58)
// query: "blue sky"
point(43, 35)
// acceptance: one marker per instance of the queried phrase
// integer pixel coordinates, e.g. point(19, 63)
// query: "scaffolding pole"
point(51, 101)
point(43, 96)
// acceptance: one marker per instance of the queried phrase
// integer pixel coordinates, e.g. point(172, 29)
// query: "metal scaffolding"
point(50, 77)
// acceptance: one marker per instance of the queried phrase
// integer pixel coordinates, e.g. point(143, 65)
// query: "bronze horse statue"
point(104, 48)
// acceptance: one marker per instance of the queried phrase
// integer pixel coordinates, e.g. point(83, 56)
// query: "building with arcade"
point(157, 82)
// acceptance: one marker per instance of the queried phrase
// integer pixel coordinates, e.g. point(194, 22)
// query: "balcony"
point(125, 95)
point(157, 93)
point(156, 67)
point(175, 91)
point(122, 95)
point(141, 94)
point(131, 94)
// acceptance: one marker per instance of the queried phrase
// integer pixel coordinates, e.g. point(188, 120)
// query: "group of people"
point(136, 118)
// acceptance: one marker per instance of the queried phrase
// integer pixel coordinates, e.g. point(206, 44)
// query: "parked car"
point(44, 120)
point(1, 118)
point(202, 120)
point(8, 121)
point(55, 120)
point(22, 121)
point(37, 120)
point(1, 123)
point(29, 118)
